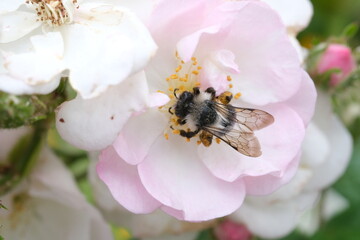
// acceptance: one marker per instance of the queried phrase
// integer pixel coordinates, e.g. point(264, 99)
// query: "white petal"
point(333, 204)
point(295, 14)
point(340, 145)
point(93, 124)
point(51, 199)
point(17, 86)
point(104, 46)
point(315, 141)
point(273, 220)
point(15, 25)
point(140, 7)
point(51, 42)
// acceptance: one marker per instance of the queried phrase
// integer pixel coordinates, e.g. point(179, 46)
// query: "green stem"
point(23, 158)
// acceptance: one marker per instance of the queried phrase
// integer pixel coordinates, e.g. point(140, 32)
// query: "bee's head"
point(183, 104)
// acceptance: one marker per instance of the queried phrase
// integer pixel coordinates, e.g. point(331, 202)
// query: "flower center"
point(54, 12)
point(185, 78)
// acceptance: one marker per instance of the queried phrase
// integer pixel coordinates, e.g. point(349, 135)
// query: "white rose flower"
point(96, 44)
point(47, 204)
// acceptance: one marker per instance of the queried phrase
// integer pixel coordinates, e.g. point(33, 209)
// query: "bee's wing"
point(240, 138)
point(254, 119)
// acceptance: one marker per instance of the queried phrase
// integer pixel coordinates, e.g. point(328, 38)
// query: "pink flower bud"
point(229, 230)
point(337, 56)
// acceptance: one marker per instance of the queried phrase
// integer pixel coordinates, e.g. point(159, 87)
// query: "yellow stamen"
point(228, 78)
point(166, 136)
point(174, 76)
point(188, 139)
point(199, 67)
point(195, 72)
point(237, 95)
point(178, 68)
point(198, 142)
point(218, 140)
point(176, 131)
point(230, 85)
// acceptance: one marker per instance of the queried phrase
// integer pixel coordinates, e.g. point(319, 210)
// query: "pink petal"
point(133, 143)
point(175, 176)
point(303, 102)
point(263, 185)
point(269, 66)
point(124, 183)
point(226, 163)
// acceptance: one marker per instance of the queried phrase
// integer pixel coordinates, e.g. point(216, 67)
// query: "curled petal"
point(124, 183)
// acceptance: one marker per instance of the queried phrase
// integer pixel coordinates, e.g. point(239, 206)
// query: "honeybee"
point(210, 116)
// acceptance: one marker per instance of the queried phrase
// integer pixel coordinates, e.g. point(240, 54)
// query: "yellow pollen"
point(182, 88)
point(188, 139)
point(176, 131)
point(230, 85)
point(183, 79)
point(167, 79)
point(193, 59)
point(197, 84)
point(182, 62)
point(199, 67)
point(171, 96)
point(194, 63)
point(178, 68)
point(171, 89)
point(174, 76)
point(159, 91)
point(237, 95)
point(218, 140)
point(166, 136)
point(198, 142)
point(229, 78)
point(195, 72)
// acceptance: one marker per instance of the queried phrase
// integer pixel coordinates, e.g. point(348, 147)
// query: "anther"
point(237, 96)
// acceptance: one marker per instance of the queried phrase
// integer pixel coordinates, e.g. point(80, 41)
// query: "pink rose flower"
point(337, 56)
point(229, 230)
point(239, 46)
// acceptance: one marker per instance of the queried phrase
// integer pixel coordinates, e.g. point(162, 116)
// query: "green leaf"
point(2, 206)
point(1, 238)
point(206, 234)
point(349, 183)
point(350, 30)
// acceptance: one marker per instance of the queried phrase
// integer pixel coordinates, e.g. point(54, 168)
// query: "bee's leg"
point(206, 138)
point(189, 134)
point(212, 91)
point(196, 91)
point(181, 121)
point(175, 90)
point(170, 111)
point(225, 97)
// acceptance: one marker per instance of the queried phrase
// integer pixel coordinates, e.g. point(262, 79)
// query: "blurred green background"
point(330, 18)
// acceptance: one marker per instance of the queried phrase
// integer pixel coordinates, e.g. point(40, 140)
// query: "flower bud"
point(337, 56)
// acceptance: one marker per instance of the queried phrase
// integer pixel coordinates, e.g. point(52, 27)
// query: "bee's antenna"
point(171, 112)
point(175, 90)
